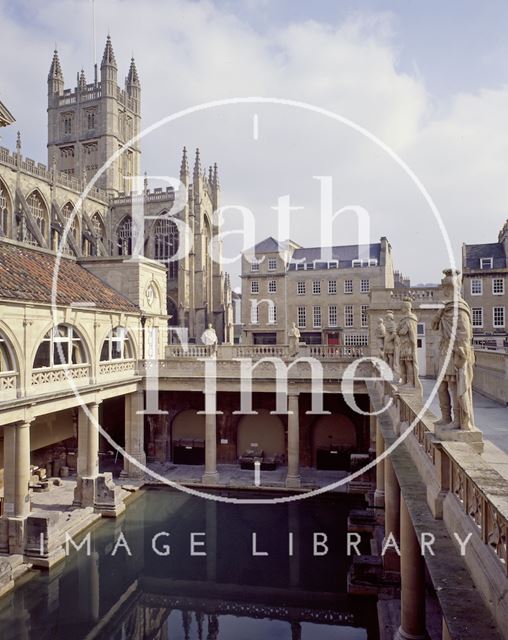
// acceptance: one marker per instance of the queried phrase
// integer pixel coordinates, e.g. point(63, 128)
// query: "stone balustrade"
point(228, 352)
point(27, 165)
point(480, 490)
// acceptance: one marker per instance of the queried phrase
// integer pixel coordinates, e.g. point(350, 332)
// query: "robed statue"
point(209, 338)
point(456, 355)
point(407, 332)
point(294, 340)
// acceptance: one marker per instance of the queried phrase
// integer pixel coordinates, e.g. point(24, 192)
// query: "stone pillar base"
point(100, 493)
point(210, 477)
point(293, 482)
point(43, 540)
point(107, 497)
point(402, 635)
point(131, 470)
point(6, 577)
point(452, 434)
point(12, 535)
point(84, 492)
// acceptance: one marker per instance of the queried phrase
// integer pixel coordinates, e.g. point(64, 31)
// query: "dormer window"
point(272, 264)
point(356, 263)
point(486, 263)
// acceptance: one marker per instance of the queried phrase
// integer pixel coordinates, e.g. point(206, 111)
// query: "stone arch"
point(39, 209)
point(6, 210)
point(172, 310)
point(91, 239)
point(79, 347)
point(188, 437)
point(71, 219)
point(333, 433)
point(124, 236)
point(263, 431)
point(166, 240)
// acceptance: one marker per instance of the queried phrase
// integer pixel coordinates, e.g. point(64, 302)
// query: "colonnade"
point(410, 563)
point(17, 473)
point(211, 474)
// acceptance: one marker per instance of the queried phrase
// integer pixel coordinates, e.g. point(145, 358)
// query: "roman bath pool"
point(181, 567)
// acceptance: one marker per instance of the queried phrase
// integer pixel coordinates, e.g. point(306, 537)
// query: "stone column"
point(379, 493)
point(17, 469)
point(412, 578)
point(211, 475)
point(88, 456)
point(92, 449)
point(134, 433)
point(391, 559)
point(293, 476)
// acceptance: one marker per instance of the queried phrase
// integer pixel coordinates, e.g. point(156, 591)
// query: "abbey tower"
point(90, 122)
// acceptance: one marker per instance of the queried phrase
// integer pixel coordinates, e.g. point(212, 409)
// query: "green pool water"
point(136, 577)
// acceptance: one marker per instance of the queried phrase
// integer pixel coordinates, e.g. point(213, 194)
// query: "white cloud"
point(193, 52)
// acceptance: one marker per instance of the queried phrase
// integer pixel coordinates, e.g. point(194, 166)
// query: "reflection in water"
point(128, 591)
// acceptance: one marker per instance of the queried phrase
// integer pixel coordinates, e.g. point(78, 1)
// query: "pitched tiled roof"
point(26, 274)
point(495, 250)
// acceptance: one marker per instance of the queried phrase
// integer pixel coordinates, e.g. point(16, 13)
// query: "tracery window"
point(72, 228)
point(4, 211)
point(166, 244)
point(39, 213)
point(124, 237)
point(60, 346)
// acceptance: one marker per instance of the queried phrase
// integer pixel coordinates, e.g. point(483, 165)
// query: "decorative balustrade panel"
point(118, 367)
point(481, 492)
point(49, 376)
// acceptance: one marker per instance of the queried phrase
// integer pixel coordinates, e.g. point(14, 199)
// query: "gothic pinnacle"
point(55, 70)
point(109, 56)
point(197, 166)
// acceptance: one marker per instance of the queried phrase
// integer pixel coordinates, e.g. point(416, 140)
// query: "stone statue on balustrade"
point(391, 345)
point(209, 338)
point(380, 338)
point(407, 332)
point(294, 340)
point(456, 356)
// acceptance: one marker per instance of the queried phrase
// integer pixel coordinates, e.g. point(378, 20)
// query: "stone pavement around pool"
point(60, 498)
point(231, 476)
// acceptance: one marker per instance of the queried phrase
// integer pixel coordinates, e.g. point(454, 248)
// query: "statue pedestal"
point(449, 433)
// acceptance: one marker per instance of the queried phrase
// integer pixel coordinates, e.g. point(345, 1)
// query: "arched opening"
point(334, 439)
point(172, 312)
point(261, 437)
point(5, 211)
point(72, 224)
point(188, 436)
point(61, 345)
point(93, 239)
point(7, 358)
point(124, 237)
point(40, 215)
point(166, 241)
point(117, 346)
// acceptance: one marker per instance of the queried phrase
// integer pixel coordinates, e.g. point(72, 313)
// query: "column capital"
point(22, 423)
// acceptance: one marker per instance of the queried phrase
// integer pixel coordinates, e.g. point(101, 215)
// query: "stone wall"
point(491, 375)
